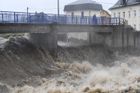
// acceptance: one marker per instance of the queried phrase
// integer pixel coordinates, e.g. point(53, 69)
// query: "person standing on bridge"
point(94, 20)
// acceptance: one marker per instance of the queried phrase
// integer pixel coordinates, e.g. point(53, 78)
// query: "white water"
point(81, 77)
point(2, 41)
point(123, 77)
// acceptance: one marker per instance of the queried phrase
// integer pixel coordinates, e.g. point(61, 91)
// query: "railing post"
point(76, 20)
point(71, 19)
point(14, 17)
point(29, 18)
point(65, 19)
point(123, 21)
point(17, 18)
point(2, 17)
point(86, 21)
point(119, 21)
point(80, 20)
point(116, 21)
point(110, 20)
point(89, 20)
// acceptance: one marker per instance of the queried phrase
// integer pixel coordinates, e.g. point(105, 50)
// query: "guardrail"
point(42, 18)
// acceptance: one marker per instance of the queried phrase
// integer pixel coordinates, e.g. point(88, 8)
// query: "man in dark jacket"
point(94, 19)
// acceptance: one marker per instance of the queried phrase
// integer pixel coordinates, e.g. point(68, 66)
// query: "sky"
point(46, 6)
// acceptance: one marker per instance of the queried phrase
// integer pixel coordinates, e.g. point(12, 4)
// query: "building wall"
point(132, 15)
point(86, 13)
point(104, 13)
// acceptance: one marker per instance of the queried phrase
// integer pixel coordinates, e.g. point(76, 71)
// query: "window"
point(134, 26)
point(119, 14)
point(114, 14)
point(123, 14)
point(129, 14)
point(82, 14)
point(135, 13)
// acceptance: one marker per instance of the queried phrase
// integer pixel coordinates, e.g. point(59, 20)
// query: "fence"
point(42, 18)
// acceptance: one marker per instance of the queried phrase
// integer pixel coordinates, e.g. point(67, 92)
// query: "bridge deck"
point(22, 22)
point(46, 28)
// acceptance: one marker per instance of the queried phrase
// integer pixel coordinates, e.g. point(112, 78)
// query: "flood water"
point(27, 69)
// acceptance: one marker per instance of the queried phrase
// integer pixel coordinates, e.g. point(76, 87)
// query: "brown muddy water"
point(93, 69)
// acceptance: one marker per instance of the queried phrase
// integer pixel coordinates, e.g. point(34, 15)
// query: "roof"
point(104, 11)
point(83, 5)
point(124, 3)
point(83, 2)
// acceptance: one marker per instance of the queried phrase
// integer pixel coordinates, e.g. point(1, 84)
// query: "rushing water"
point(68, 73)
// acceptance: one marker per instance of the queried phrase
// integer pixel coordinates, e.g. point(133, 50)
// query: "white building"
point(129, 10)
point(83, 8)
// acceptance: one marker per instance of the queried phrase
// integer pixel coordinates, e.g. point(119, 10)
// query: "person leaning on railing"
point(94, 20)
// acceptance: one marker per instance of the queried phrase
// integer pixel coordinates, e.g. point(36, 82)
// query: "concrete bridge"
point(44, 28)
point(58, 28)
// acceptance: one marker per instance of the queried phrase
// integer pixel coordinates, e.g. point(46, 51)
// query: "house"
point(83, 8)
point(129, 10)
point(104, 13)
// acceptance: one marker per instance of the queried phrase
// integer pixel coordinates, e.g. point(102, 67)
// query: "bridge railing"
point(42, 18)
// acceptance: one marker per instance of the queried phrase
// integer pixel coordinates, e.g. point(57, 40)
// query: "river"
point(90, 69)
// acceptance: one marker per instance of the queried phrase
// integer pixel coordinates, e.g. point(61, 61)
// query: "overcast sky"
point(47, 6)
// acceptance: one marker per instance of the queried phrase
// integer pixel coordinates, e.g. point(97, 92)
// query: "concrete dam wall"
point(120, 38)
point(46, 35)
point(111, 36)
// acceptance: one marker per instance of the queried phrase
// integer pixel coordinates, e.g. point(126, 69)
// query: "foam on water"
point(2, 41)
point(77, 77)
point(123, 77)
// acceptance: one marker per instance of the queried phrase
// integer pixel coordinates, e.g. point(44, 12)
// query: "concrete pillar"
point(137, 39)
point(45, 40)
point(95, 39)
point(118, 38)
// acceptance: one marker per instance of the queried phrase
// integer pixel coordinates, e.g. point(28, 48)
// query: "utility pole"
point(27, 14)
point(58, 10)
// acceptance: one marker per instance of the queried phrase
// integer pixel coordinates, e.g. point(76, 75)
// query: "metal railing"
point(42, 18)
